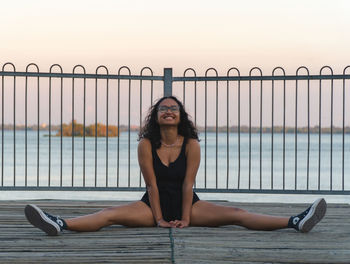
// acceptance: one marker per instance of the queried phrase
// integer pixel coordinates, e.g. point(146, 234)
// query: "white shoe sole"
point(37, 218)
point(315, 215)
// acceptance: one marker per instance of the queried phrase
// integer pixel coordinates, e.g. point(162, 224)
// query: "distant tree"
point(90, 131)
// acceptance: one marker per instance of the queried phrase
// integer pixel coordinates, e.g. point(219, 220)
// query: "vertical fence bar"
point(141, 73)
point(296, 138)
point(343, 135)
point(72, 177)
point(26, 133)
point(216, 133)
point(38, 155)
point(73, 121)
point(118, 124)
point(195, 99)
point(205, 135)
point(272, 125)
point(96, 129)
point(49, 183)
point(84, 132)
point(38, 121)
point(129, 113)
point(195, 110)
point(61, 136)
point(152, 92)
point(50, 96)
point(227, 132)
point(228, 127)
point(216, 130)
point(260, 142)
point(14, 126)
point(107, 92)
point(272, 119)
point(72, 184)
point(250, 130)
point(2, 129)
point(14, 131)
point(331, 147)
point(319, 135)
point(343, 139)
point(239, 132)
point(250, 127)
point(140, 124)
point(129, 98)
point(216, 122)
point(183, 94)
point(107, 138)
point(308, 131)
point(284, 137)
point(308, 125)
point(168, 81)
point(141, 87)
point(250, 134)
point(331, 161)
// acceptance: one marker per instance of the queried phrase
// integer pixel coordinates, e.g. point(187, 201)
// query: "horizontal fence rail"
point(259, 133)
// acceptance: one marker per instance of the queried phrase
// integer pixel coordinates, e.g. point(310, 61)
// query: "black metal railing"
point(259, 133)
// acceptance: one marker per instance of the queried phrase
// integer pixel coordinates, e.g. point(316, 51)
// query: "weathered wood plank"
point(329, 242)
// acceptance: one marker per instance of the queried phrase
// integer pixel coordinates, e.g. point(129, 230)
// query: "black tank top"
point(169, 181)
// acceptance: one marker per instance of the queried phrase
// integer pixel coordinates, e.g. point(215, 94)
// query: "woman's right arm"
point(144, 151)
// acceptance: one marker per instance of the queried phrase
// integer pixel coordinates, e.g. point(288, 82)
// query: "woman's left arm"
point(192, 159)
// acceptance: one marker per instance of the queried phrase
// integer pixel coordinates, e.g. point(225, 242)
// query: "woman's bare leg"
point(209, 214)
point(133, 214)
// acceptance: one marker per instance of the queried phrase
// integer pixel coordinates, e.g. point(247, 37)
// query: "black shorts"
point(171, 205)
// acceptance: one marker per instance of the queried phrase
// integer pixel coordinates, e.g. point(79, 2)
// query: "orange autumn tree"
point(90, 131)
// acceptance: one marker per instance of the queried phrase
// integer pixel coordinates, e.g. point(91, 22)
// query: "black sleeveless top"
point(169, 181)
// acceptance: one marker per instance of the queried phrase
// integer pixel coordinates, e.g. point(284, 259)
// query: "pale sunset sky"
point(178, 34)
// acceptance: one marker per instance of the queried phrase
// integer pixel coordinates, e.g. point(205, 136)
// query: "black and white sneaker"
point(305, 221)
point(50, 224)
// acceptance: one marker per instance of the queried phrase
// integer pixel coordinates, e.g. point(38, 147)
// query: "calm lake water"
point(219, 165)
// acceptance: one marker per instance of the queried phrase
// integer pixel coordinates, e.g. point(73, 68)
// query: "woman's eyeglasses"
point(173, 108)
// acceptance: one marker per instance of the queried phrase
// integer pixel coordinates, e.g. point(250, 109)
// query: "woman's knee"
point(108, 214)
point(236, 210)
point(239, 215)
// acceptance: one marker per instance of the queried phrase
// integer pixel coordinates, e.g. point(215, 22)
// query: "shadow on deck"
point(328, 242)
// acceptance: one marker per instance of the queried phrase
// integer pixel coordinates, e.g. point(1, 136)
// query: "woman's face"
point(168, 113)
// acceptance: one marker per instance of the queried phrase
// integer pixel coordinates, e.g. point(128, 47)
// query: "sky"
point(178, 34)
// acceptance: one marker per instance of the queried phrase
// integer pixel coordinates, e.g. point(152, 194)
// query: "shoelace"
point(303, 214)
point(53, 218)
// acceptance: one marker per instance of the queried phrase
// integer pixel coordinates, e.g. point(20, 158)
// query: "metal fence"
point(259, 133)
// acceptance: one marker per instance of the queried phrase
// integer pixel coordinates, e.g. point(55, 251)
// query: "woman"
point(169, 157)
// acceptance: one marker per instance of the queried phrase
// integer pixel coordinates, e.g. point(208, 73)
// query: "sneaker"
point(305, 221)
point(51, 225)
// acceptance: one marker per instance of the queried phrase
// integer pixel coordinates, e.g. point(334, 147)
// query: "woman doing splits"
point(169, 157)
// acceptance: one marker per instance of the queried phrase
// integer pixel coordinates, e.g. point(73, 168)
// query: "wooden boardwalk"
point(328, 242)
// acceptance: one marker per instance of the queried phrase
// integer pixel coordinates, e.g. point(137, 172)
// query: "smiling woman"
point(169, 157)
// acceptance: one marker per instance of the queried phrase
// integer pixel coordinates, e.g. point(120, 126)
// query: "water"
point(221, 171)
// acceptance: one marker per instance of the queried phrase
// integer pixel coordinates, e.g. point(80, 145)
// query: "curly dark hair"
point(151, 129)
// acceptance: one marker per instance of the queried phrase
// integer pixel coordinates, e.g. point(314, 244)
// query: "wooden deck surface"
point(328, 242)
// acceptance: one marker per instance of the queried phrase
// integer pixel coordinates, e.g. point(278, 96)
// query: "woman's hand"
point(163, 223)
point(179, 223)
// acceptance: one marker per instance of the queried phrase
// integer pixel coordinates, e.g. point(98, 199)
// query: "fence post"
point(168, 81)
